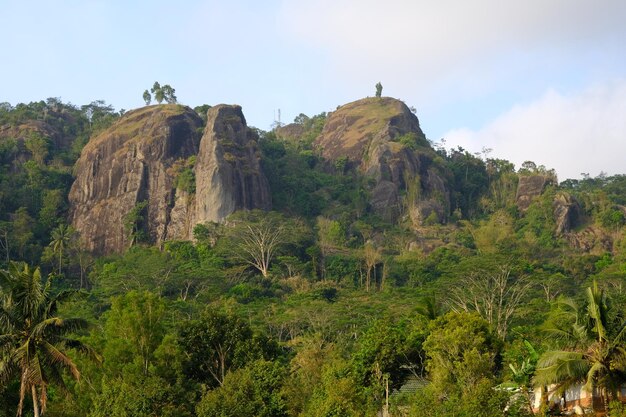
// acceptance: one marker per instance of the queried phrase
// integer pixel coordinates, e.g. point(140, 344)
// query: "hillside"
point(302, 271)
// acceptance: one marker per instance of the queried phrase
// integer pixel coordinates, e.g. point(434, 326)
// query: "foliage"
point(595, 351)
point(336, 395)
point(33, 339)
point(461, 352)
point(134, 223)
point(217, 343)
point(138, 397)
point(256, 238)
point(162, 92)
point(210, 327)
point(470, 181)
point(134, 330)
point(379, 89)
point(250, 391)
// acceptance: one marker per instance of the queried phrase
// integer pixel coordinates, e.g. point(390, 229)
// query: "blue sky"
point(533, 80)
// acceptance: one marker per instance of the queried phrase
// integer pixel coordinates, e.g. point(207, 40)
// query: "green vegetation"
point(318, 308)
point(161, 92)
point(379, 89)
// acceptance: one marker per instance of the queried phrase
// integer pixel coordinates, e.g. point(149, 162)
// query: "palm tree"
point(32, 337)
point(61, 237)
point(595, 353)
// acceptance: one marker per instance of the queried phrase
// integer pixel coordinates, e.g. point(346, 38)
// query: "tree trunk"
point(35, 403)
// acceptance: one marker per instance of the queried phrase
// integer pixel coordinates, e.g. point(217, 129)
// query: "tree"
point(134, 329)
point(61, 237)
point(461, 351)
point(252, 391)
point(305, 371)
point(372, 257)
point(257, 237)
point(156, 89)
point(217, 343)
point(99, 114)
point(39, 147)
point(134, 223)
point(140, 397)
point(387, 353)
point(147, 97)
point(492, 290)
point(379, 89)
point(33, 339)
point(259, 243)
point(169, 94)
point(337, 394)
point(53, 204)
point(22, 229)
point(594, 347)
point(330, 237)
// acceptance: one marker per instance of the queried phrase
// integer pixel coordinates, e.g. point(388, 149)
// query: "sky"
point(538, 80)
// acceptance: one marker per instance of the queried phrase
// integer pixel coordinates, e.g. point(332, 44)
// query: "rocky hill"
point(154, 176)
point(382, 138)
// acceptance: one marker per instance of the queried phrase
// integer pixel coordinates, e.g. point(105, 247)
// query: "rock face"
point(566, 213)
point(126, 165)
point(228, 169)
point(530, 187)
point(136, 163)
point(592, 239)
point(382, 138)
point(290, 132)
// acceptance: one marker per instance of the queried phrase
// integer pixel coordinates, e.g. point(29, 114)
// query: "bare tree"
point(371, 256)
point(495, 295)
point(258, 244)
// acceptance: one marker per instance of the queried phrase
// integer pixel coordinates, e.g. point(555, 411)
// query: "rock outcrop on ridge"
point(382, 138)
point(128, 179)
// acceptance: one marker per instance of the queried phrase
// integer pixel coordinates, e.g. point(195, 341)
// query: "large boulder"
point(128, 176)
point(566, 213)
point(382, 138)
point(529, 188)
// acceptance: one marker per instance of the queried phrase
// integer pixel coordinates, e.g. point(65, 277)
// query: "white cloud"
point(583, 132)
point(465, 62)
point(417, 47)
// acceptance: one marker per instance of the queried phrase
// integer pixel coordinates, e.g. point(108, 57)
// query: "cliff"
point(529, 188)
point(382, 138)
point(228, 169)
point(128, 179)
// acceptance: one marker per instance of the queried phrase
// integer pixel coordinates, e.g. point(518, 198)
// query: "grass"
point(131, 126)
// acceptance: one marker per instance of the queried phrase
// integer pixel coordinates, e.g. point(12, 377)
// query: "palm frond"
point(56, 326)
point(54, 377)
point(34, 372)
point(82, 348)
point(618, 339)
point(556, 367)
point(61, 297)
point(8, 369)
point(60, 358)
point(593, 374)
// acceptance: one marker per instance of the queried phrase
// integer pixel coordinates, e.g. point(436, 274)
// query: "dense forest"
point(319, 307)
